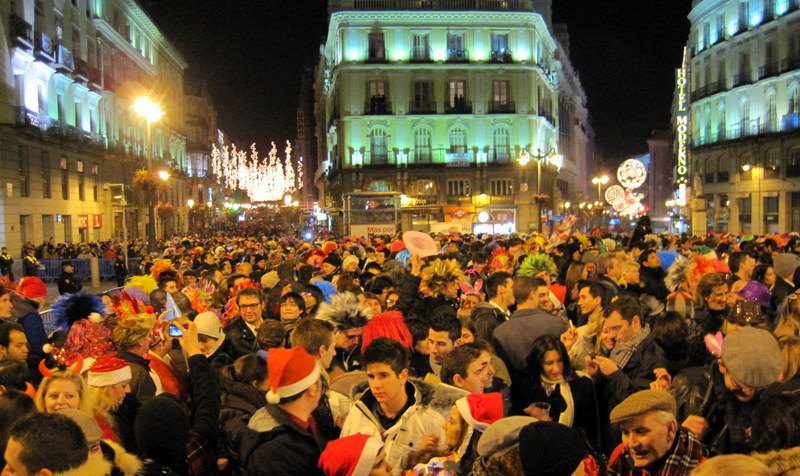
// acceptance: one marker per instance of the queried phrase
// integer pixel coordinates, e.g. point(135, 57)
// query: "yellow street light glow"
point(746, 167)
point(147, 109)
point(190, 203)
point(163, 175)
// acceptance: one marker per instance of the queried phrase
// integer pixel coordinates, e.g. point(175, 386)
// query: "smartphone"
point(175, 331)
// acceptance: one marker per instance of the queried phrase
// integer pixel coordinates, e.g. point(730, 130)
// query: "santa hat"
point(480, 410)
point(559, 292)
point(31, 287)
point(109, 370)
point(290, 372)
point(350, 456)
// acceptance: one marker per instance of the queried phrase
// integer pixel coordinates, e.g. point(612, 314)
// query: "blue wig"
point(72, 307)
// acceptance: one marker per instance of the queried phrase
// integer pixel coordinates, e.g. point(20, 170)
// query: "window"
point(720, 27)
point(501, 149)
point(377, 50)
point(745, 167)
point(456, 90)
point(745, 114)
point(501, 188)
point(423, 189)
point(455, 47)
point(377, 103)
point(379, 186)
point(722, 170)
point(24, 172)
point(499, 94)
point(378, 149)
point(793, 167)
point(499, 42)
point(710, 171)
point(81, 181)
point(45, 163)
point(706, 35)
point(64, 179)
point(721, 121)
point(422, 145)
point(458, 140)
point(421, 48)
point(721, 74)
point(458, 188)
point(772, 164)
point(771, 115)
point(745, 212)
point(422, 96)
point(794, 101)
point(744, 13)
point(95, 181)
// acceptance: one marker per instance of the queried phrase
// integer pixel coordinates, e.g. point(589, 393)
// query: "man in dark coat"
point(241, 333)
point(68, 283)
point(284, 440)
point(652, 275)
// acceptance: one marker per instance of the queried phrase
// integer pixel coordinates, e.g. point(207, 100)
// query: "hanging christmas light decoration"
point(263, 180)
point(631, 175)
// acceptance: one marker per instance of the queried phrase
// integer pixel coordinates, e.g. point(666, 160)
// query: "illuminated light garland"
point(625, 201)
point(263, 180)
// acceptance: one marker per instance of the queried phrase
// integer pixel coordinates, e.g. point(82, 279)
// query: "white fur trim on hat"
point(295, 388)
point(367, 459)
point(106, 379)
point(463, 408)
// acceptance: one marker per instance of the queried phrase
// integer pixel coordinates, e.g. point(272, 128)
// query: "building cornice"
point(120, 42)
point(703, 8)
point(145, 22)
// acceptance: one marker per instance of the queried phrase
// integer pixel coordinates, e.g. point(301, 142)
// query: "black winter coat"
point(278, 447)
point(242, 340)
point(239, 402)
point(653, 282)
point(413, 306)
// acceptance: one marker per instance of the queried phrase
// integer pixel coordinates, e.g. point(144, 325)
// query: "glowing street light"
point(163, 175)
point(151, 112)
point(600, 181)
point(190, 203)
point(147, 109)
point(746, 167)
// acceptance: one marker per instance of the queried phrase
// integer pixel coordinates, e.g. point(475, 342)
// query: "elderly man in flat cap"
point(652, 441)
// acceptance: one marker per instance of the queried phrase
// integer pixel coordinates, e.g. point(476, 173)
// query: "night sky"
point(252, 54)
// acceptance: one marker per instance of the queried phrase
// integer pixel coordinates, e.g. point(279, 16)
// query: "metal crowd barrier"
point(49, 321)
point(50, 269)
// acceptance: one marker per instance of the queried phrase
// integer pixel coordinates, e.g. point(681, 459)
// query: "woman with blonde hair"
point(789, 320)
point(61, 390)
point(790, 351)
point(109, 382)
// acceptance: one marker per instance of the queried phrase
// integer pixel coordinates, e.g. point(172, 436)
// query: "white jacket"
point(405, 436)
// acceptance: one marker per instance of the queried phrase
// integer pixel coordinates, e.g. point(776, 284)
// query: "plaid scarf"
point(685, 456)
point(622, 353)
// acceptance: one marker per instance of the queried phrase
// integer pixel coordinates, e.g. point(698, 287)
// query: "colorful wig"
point(438, 274)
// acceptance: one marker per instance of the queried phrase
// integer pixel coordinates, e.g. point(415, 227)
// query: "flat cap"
point(642, 402)
point(502, 434)
point(752, 356)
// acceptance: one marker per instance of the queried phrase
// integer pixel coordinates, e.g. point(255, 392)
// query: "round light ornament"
point(615, 194)
point(632, 173)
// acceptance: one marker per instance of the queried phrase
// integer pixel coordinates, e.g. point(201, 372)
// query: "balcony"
point(741, 27)
point(457, 56)
point(501, 56)
point(377, 106)
point(44, 47)
point(501, 107)
point(715, 87)
point(793, 170)
point(742, 79)
point(420, 54)
point(699, 93)
point(21, 32)
point(423, 106)
point(64, 60)
point(109, 83)
point(458, 106)
point(95, 76)
point(768, 70)
point(376, 55)
point(81, 71)
point(790, 64)
point(442, 5)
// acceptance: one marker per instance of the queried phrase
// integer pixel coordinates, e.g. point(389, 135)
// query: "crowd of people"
point(413, 354)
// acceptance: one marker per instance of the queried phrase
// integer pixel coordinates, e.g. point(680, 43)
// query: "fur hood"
point(439, 397)
point(124, 461)
point(782, 462)
point(94, 466)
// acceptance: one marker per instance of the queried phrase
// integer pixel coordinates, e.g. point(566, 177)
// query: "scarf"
point(621, 354)
point(567, 416)
point(686, 455)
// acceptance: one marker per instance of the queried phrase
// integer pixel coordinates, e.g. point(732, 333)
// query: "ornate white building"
point(69, 72)
point(745, 113)
point(435, 101)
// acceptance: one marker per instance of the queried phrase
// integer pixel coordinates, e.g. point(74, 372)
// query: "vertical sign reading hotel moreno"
point(682, 123)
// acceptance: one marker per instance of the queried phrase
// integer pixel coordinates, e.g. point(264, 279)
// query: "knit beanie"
point(551, 449)
point(162, 430)
point(785, 264)
point(350, 456)
point(350, 259)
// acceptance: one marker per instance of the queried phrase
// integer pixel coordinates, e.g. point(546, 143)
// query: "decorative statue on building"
point(697, 185)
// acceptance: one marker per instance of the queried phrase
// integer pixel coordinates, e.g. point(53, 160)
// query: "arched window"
point(794, 99)
point(458, 140)
point(722, 169)
point(501, 147)
point(422, 145)
point(709, 174)
point(772, 164)
point(746, 165)
point(378, 148)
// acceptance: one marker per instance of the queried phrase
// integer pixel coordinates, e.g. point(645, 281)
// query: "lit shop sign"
point(682, 126)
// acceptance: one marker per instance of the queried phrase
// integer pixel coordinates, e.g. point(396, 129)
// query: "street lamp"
point(151, 112)
point(163, 175)
point(600, 181)
point(523, 160)
point(746, 167)
point(124, 203)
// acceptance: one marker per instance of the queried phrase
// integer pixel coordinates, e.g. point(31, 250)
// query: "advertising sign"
point(372, 229)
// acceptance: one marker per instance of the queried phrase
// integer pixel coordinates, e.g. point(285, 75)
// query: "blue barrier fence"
point(50, 269)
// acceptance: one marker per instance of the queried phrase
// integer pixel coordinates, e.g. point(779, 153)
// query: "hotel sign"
point(682, 124)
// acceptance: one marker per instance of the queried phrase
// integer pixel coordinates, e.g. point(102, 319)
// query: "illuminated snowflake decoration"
point(268, 180)
point(632, 174)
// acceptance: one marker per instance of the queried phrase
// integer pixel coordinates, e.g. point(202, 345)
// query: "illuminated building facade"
point(447, 104)
point(69, 72)
point(745, 114)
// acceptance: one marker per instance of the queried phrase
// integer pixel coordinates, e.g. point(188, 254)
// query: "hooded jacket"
point(239, 402)
point(423, 417)
point(26, 313)
point(276, 446)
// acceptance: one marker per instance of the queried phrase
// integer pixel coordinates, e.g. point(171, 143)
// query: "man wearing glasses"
point(242, 332)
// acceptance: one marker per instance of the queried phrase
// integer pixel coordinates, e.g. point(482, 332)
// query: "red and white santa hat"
point(350, 456)
point(107, 371)
point(480, 410)
point(290, 372)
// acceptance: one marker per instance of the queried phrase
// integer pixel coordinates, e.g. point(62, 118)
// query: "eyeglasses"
point(249, 306)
